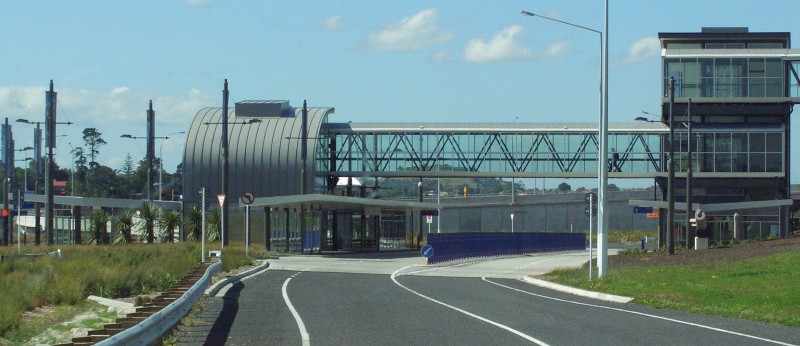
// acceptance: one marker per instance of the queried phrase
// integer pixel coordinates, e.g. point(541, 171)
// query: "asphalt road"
point(384, 300)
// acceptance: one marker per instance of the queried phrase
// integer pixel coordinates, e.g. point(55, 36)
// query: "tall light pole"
point(50, 141)
point(37, 153)
point(224, 145)
point(161, 164)
point(688, 173)
point(602, 158)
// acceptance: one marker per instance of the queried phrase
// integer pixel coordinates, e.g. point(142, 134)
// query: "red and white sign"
point(430, 218)
point(221, 199)
point(247, 198)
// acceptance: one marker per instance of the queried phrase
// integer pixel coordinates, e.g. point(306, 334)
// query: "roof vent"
point(263, 108)
point(725, 30)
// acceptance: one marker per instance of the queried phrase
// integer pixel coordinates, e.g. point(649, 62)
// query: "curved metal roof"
point(264, 157)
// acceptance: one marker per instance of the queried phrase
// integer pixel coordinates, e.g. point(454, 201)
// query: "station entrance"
point(314, 223)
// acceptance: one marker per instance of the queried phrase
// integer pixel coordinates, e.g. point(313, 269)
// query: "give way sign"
point(221, 198)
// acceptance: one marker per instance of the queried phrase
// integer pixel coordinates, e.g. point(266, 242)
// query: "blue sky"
point(382, 61)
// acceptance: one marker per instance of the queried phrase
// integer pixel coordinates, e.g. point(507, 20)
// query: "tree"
point(124, 225)
point(127, 165)
point(214, 224)
point(99, 228)
point(149, 214)
point(94, 141)
point(170, 220)
point(193, 224)
point(564, 187)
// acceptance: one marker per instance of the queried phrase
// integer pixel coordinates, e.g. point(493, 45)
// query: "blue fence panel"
point(455, 246)
point(312, 241)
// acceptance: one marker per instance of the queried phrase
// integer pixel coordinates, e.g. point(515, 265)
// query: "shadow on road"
point(230, 307)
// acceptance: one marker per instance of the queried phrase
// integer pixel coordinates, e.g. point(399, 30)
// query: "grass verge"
point(62, 284)
point(758, 289)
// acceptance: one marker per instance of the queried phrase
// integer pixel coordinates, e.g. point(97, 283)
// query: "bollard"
point(643, 240)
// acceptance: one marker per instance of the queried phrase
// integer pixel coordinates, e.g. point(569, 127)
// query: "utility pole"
point(151, 120)
point(8, 168)
point(50, 142)
point(225, 233)
point(671, 172)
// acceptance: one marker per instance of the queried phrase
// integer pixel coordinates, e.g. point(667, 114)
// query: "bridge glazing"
point(541, 150)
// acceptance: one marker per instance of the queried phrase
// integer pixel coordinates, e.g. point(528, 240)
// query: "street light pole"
point(689, 174)
point(602, 158)
point(37, 153)
point(671, 173)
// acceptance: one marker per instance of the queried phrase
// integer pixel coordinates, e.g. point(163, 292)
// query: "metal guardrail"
point(161, 322)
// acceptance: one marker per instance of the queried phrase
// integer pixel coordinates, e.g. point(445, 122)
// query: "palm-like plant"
point(193, 224)
point(214, 225)
point(124, 226)
point(99, 227)
point(170, 220)
point(149, 215)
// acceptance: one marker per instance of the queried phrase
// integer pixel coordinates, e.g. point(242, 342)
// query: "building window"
point(725, 77)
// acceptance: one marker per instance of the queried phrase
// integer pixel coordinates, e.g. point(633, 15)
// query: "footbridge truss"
point(568, 150)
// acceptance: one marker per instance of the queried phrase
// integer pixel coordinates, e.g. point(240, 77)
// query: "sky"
point(377, 61)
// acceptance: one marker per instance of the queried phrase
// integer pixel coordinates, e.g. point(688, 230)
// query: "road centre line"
point(496, 324)
point(642, 314)
point(303, 332)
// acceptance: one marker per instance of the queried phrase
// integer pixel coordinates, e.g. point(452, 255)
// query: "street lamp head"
point(23, 121)
point(526, 13)
point(126, 136)
point(641, 119)
point(253, 121)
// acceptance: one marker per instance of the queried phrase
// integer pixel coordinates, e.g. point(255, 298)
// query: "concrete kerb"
point(578, 291)
point(215, 288)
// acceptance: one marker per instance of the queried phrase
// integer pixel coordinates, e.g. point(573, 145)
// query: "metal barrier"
point(158, 324)
point(456, 246)
point(312, 240)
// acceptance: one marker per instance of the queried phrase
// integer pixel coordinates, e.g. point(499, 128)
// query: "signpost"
point(426, 251)
point(247, 198)
point(221, 198)
point(591, 210)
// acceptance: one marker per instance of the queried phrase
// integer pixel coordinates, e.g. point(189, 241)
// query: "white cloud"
point(332, 23)
point(411, 33)
point(643, 49)
point(119, 90)
point(440, 57)
point(555, 50)
point(503, 46)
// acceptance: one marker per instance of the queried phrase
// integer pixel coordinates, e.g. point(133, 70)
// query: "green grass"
point(107, 271)
point(760, 289)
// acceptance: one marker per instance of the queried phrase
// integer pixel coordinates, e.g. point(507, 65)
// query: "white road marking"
point(300, 324)
point(512, 330)
point(642, 314)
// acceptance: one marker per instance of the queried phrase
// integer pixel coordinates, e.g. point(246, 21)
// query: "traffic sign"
point(642, 210)
point(653, 215)
point(590, 197)
point(592, 212)
point(247, 198)
point(429, 218)
point(221, 199)
point(426, 251)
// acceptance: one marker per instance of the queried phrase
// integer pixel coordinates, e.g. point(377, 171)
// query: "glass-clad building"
point(736, 89)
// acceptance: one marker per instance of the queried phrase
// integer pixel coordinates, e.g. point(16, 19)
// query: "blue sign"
point(642, 210)
point(426, 251)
